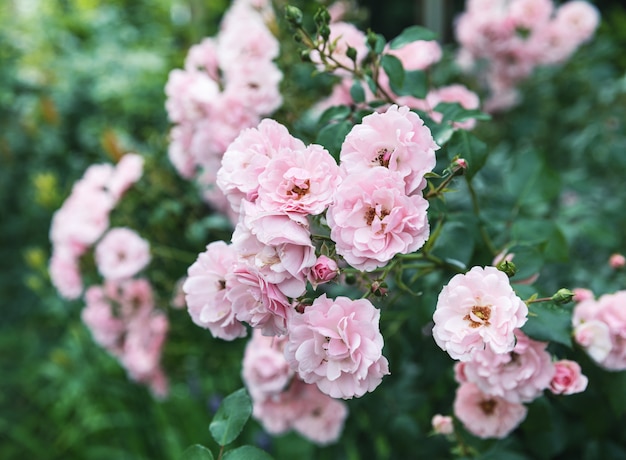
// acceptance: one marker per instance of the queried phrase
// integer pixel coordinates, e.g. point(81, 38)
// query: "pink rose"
point(594, 336)
point(322, 422)
point(397, 140)
point(478, 310)
point(372, 219)
point(324, 270)
point(265, 370)
point(64, 269)
point(568, 378)
point(617, 261)
point(121, 254)
point(518, 376)
point(442, 424)
point(581, 294)
point(127, 171)
point(206, 292)
point(337, 345)
point(484, 415)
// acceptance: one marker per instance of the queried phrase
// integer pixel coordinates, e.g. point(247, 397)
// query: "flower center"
point(299, 188)
point(488, 406)
point(371, 214)
point(383, 157)
point(479, 316)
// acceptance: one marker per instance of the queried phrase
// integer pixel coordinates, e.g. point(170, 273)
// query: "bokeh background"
point(81, 81)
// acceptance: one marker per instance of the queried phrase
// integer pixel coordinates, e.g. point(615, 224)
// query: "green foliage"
point(197, 452)
point(231, 417)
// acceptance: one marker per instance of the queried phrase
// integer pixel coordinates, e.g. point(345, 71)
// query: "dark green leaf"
point(455, 242)
point(414, 84)
point(469, 147)
point(394, 70)
point(332, 136)
point(334, 113)
point(455, 112)
point(412, 34)
point(356, 92)
point(247, 453)
point(231, 417)
point(197, 452)
point(549, 322)
point(545, 232)
point(528, 260)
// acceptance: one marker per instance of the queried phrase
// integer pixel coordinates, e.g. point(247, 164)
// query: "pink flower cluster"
point(506, 39)
point(419, 55)
point(120, 314)
point(122, 319)
point(281, 400)
point(477, 321)
point(228, 83)
point(84, 217)
point(600, 328)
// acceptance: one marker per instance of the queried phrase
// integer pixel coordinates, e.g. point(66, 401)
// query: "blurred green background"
point(81, 81)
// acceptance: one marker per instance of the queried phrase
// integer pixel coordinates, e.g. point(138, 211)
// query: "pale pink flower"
point(121, 253)
point(344, 35)
point(581, 294)
point(518, 376)
point(324, 270)
point(246, 158)
point(256, 85)
point(417, 55)
point(189, 94)
point(299, 181)
point(397, 140)
point(206, 291)
point(105, 326)
point(265, 370)
point(322, 422)
point(127, 171)
point(143, 343)
point(531, 14)
point(257, 302)
point(203, 56)
point(372, 219)
point(617, 261)
point(478, 310)
point(64, 269)
point(337, 345)
point(442, 424)
point(277, 412)
point(608, 309)
point(568, 378)
point(594, 336)
point(487, 416)
point(178, 295)
point(580, 17)
point(454, 93)
point(178, 151)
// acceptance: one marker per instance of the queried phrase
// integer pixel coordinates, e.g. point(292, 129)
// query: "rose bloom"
point(484, 415)
point(257, 302)
point(205, 292)
point(337, 345)
point(594, 336)
point(568, 378)
point(322, 422)
point(372, 219)
point(478, 310)
point(265, 370)
point(417, 55)
point(581, 294)
point(299, 181)
point(518, 376)
point(397, 140)
point(127, 171)
point(324, 270)
point(609, 309)
point(442, 424)
point(64, 270)
point(247, 156)
point(121, 254)
point(617, 261)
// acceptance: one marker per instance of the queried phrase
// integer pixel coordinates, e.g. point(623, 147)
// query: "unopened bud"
point(461, 163)
point(507, 267)
point(324, 32)
point(303, 304)
point(563, 296)
point(443, 424)
point(293, 15)
point(379, 288)
point(372, 39)
point(322, 17)
point(351, 53)
point(617, 261)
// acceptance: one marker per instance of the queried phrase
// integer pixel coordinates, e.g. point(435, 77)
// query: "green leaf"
point(549, 322)
point(356, 92)
point(547, 233)
point(455, 112)
point(469, 147)
point(230, 418)
point(334, 113)
point(412, 34)
point(455, 242)
point(247, 453)
point(414, 84)
point(197, 452)
point(394, 70)
point(528, 259)
point(332, 136)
